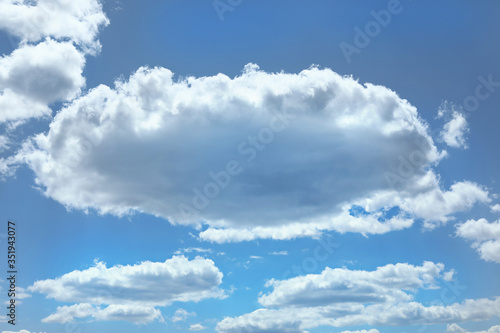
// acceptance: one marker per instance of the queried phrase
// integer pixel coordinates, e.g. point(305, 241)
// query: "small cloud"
point(495, 208)
point(455, 129)
point(485, 237)
point(280, 253)
point(448, 276)
point(4, 143)
point(197, 327)
point(454, 328)
point(21, 293)
point(192, 249)
point(255, 257)
point(181, 315)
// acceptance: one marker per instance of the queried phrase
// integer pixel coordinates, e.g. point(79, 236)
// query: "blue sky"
point(225, 166)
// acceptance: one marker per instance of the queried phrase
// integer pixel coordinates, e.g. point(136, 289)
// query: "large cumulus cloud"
point(261, 155)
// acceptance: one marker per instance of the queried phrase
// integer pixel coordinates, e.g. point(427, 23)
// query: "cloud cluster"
point(32, 21)
point(131, 292)
point(485, 237)
point(261, 155)
point(47, 63)
point(345, 298)
point(34, 76)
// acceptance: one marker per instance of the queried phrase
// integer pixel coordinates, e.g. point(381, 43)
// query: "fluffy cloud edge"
point(485, 237)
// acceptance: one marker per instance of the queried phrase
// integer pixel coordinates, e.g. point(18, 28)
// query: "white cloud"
point(454, 131)
point(495, 208)
point(193, 249)
point(32, 77)
point(114, 312)
point(181, 315)
point(298, 319)
point(346, 298)
point(21, 293)
point(47, 72)
point(131, 291)
point(448, 276)
point(485, 237)
point(46, 65)
point(255, 257)
point(362, 331)
point(128, 312)
point(390, 283)
point(31, 21)
point(196, 327)
point(460, 197)
point(262, 321)
point(4, 143)
point(454, 328)
point(21, 331)
point(263, 155)
point(279, 253)
point(65, 314)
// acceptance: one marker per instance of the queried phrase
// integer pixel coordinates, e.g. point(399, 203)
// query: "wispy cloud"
point(193, 249)
point(279, 253)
